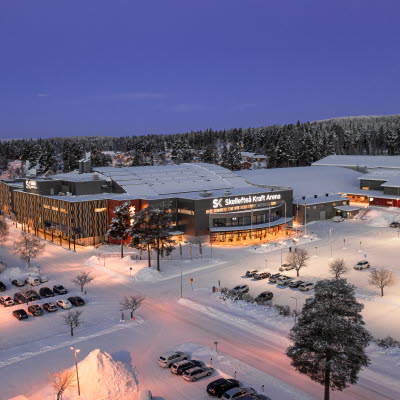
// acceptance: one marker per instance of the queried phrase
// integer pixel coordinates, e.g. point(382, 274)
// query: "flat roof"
point(354, 161)
point(310, 200)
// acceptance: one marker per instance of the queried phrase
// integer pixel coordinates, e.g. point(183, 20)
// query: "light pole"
point(295, 315)
point(330, 239)
point(76, 351)
point(281, 255)
point(316, 250)
point(266, 264)
point(181, 282)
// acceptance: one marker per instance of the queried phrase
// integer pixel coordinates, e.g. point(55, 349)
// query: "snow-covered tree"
point(338, 268)
point(329, 339)
point(209, 155)
point(120, 224)
point(151, 229)
point(298, 259)
point(4, 230)
point(231, 158)
point(61, 381)
point(82, 279)
point(27, 247)
point(72, 319)
point(381, 278)
point(131, 303)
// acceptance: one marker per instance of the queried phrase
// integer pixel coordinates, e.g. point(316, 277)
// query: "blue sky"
point(125, 67)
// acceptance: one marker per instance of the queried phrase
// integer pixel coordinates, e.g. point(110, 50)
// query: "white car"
point(6, 301)
point(286, 267)
point(193, 374)
point(240, 289)
point(305, 287)
point(362, 265)
point(337, 218)
point(33, 280)
point(65, 304)
point(170, 357)
point(43, 278)
point(284, 280)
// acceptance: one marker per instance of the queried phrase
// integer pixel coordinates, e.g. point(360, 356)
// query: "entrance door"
point(322, 215)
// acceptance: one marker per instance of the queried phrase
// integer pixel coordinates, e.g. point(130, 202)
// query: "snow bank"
point(146, 274)
point(273, 246)
point(381, 218)
point(14, 273)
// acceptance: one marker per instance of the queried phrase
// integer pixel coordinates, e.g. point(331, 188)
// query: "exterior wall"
point(316, 212)
point(371, 184)
point(394, 191)
point(5, 199)
point(378, 201)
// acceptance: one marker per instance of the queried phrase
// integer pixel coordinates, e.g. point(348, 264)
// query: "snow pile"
point(13, 273)
point(272, 246)
point(102, 378)
point(380, 218)
point(146, 274)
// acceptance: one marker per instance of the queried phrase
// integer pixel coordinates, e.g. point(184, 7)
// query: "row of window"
point(185, 211)
point(244, 221)
point(242, 207)
point(63, 210)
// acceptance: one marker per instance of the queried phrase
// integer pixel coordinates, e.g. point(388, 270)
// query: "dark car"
point(181, 366)
point(32, 295)
point(395, 225)
point(261, 275)
point(2, 287)
point(50, 307)
point(20, 298)
point(35, 310)
point(250, 273)
point(18, 282)
point(76, 301)
point(220, 386)
point(20, 314)
point(296, 283)
point(59, 289)
point(265, 296)
point(46, 292)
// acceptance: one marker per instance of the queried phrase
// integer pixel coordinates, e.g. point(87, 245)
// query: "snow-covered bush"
point(282, 310)
point(387, 342)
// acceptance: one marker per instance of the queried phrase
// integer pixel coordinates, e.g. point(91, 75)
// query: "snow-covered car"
point(32, 295)
point(296, 284)
point(6, 301)
point(170, 357)
point(193, 374)
point(50, 307)
point(264, 296)
point(59, 289)
point(35, 310)
point(20, 314)
point(286, 267)
point(251, 272)
point(261, 275)
point(76, 301)
point(240, 289)
point(20, 298)
point(273, 278)
point(362, 265)
point(284, 280)
point(33, 280)
point(181, 366)
point(43, 278)
point(19, 282)
point(337, 218)
point(305, 287)
point(65, 304)
point(236, 393)
point(46, 292)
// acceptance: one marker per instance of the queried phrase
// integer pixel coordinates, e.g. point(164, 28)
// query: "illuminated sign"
point(217, 203)
point(31, 185)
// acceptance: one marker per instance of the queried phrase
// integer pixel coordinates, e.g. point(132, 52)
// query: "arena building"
point(207, 202)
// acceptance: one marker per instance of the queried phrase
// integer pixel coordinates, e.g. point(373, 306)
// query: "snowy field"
point(252, 339)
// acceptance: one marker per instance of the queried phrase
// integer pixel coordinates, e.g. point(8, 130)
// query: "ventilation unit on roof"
point(315, 196)
point(327, 194)
point(61, 193)
point(205, 194)
point(227, 192)
point(303, 197)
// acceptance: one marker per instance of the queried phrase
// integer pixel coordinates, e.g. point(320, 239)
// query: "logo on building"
point(225, 202)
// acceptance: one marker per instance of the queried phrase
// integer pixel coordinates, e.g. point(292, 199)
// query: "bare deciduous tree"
point(298, 259)
point(338, 268)
point(4, 230)
point(28, 246)
point(72, 319)
point(382, 278)
point(131, 303)
point(61, 381)
point(82, 279)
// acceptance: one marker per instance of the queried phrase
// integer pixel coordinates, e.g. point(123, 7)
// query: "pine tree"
point(120, 224)
point(329, 339)
point(209, 155)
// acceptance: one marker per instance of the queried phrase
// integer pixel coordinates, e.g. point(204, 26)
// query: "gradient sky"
point(123, 67)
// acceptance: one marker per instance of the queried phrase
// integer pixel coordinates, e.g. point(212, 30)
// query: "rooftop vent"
point(227, 192)
point(96, 177)
point(303, 197)
point(315, 196)
point(327, 194)
point(205, 194)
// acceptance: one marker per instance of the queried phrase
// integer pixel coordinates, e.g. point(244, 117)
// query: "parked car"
point(395, 224)
point(196, 373)
point(259, 397)
point(305, 287)
point(65, 304)
point(46, 292)
point(18, 282)
point(251, 273)
point(362, 265)
point(296, 284)
point(181, 366)
point(43, 278)
point(32, 295)
point(6, 301)
point(240, 289)
point(2, 287)
point(20, 314)
point(145, 395)
point(170, 357)
point(76, 301)
point(264, 296)
point(20, 298)
point(237, 393)
point(338, 218)
point(286, 267)
point(33, 280)
point(50, 307)
point(59, 289)
point(218, 387)
point(284, 280)
point(35, 310)
point(274, 277)
point(261, 275)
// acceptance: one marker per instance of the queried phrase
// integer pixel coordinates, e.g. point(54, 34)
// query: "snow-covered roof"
point(347, 208)
point(306, 181)
point(360, 161)
point(189, 179)
point(390, 176)
point(310, 200)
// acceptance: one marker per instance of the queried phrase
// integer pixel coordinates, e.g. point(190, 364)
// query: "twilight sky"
point(123, 67)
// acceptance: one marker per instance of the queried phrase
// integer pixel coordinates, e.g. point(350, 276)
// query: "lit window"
point(54, 208)
point(365, 188)
point(46, 206)
point(63, 210)
point(100, 209)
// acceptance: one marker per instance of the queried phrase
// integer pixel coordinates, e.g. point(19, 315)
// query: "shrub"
point(283, 310)
point(387, 342)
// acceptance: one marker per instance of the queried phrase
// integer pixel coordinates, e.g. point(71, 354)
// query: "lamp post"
point(266, 264)
point(181, 282)
point(295, 315)
point(316, 250)
point(281, 255)
point(330, 239)
point(76, 351)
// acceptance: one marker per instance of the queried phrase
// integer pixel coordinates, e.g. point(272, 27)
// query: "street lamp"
point(330, 239)
point(76, 351)
point(316, 250)
point(295, 315)
point(266, 264)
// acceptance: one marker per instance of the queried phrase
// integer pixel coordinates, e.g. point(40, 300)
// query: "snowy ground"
point(252, 340)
